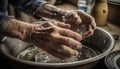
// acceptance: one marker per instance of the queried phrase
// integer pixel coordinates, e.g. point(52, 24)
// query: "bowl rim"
point(117, 54)
point(2, 47)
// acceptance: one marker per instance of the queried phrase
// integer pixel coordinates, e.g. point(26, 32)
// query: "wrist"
point(17, 29)
point(4, 23)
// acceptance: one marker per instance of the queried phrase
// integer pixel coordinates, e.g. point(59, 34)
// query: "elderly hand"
point(80, 22)
point(51, 36)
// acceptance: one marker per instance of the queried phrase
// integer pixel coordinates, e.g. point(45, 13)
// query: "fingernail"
point(69, 26)
point(79, 46)
point(76, 53)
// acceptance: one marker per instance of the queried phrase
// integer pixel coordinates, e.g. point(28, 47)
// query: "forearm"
point(3, 23)
point(4, 19)
point(27, 6)
point(50, 11)
point(38, 9)
point(16, 29)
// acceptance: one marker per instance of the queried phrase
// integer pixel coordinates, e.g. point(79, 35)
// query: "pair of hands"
point(55, 37)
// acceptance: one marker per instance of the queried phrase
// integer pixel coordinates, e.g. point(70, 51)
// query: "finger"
point(78, 20)
point(75, 18)
point(69, 33)
point(55, 53)
point(74, 27)
point(89, 32)
point(67, 50)
point(69, 42)
point(93, 23)
point(62, 51)
point(63, 25)
point(48, 47)
point(58, 40)
point(87, 18)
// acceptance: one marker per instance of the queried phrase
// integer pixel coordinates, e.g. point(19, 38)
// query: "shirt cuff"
point(4, 19)
point(37, 9)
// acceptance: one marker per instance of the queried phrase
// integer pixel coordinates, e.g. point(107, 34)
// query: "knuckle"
point(66, 31)
point(67, 40)
point(53, 36)
point(23, 38)
point(63, 48)
point(91, 32)
point(77, 17)
point(77, 44)
point(91, 18)
point(79, 37)
point(78, 21)
point(49, 22)
point(53, 21)
point(73, 53)
point(70, 54)
point(80, 11)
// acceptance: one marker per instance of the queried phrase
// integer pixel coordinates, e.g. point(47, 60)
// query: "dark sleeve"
point(27, 6)
point(4, 18)
point(3, 21)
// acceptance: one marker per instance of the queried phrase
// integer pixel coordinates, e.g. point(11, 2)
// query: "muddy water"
point(37, 55)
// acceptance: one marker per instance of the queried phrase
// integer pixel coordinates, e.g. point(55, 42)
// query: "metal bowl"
point(112, 61)
point(101, 42)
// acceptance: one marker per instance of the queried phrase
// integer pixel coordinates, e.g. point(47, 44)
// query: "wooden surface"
point(114, 13)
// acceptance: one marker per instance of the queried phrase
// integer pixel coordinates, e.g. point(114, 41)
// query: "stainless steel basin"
point(101, 41)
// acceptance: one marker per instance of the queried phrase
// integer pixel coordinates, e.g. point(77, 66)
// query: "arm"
point(80, 21)
point(50, 36)
point(38, 8)
point(3, 22)
point(27, 6)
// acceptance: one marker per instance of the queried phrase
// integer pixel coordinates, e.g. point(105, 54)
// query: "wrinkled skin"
point(52, 36)
point(55, 37)
point(79, 19)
